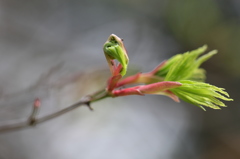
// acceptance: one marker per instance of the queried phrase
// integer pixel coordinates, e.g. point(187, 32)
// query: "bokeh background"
point(53, 50)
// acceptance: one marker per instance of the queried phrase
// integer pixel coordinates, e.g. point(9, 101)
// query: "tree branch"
point(33, 121)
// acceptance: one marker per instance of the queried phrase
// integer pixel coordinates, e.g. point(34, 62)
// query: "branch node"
point(87, 101)
point(32, 122)
point(89, 106)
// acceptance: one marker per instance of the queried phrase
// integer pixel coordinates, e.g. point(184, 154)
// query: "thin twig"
point(63, 111)
point(32, 118)
point(33, 121)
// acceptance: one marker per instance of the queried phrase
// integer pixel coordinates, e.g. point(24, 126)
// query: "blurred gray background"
point(53, 50)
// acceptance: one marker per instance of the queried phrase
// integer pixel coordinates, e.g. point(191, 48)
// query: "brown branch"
point(33, 121)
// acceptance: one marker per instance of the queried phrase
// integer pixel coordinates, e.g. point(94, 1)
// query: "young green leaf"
point(185, 66)
point(201, 94)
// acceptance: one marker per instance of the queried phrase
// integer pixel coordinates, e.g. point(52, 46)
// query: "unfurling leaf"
point(201, 94)
point(114, 50)
point(185, 66)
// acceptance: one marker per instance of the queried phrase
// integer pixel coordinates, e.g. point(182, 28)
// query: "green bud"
point(114, 50)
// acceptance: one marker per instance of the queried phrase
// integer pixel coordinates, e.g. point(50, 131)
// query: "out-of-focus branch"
point(33, 120)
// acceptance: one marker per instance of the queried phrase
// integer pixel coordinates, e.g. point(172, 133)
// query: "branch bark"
point(33, 121)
